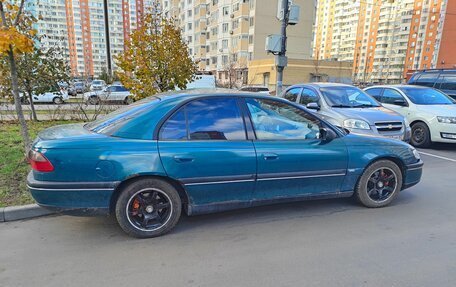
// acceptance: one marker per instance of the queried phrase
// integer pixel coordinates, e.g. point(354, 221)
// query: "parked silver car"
point(351, 108)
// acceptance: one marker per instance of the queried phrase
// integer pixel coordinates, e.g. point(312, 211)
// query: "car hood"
point(370, 115)
point(438, 110)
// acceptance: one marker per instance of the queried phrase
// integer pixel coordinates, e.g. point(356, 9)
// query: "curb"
point(12, 213)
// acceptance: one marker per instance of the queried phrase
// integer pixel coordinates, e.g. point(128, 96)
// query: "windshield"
point(113, 121)
point(348, 97)
point(97, 83)
point(427, 96)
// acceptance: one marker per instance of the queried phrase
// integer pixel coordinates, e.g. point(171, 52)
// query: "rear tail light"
point(39, 162)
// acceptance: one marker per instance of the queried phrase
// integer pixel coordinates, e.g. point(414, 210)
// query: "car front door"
point(395, 101)
point(204, 145)
point(293, 161)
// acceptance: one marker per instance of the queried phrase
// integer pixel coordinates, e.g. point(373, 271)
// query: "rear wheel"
point(94, 100)
point(379, 184)
point(148, 208)
point(421, 137)
point(128, 100)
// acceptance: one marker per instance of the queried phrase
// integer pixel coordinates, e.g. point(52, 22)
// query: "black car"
point(444, 80)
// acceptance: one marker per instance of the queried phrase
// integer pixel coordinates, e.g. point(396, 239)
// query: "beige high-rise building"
point(224, 36)
point(383, 38)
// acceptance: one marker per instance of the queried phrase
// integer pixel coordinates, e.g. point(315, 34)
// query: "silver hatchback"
point(351, 108)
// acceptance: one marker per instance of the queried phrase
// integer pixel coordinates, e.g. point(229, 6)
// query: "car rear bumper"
point(412, 174)
point(74, 198)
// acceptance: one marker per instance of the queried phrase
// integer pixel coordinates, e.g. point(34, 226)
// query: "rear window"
point(375, 92)
point(110, 123)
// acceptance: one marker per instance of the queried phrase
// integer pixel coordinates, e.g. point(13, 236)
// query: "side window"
point(376, 93)
point(215, 119)
point(292, 95)
point(448, 82)
point(207, 119)
point(427, 79)
point(111, 89)
point(389, 96)
point(308, 96)
point(277, 120)
point(175, 127)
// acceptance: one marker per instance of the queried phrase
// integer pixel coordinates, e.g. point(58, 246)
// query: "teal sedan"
point(202, 152)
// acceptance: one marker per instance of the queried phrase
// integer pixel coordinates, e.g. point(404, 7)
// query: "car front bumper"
point(442, 132)
point(412, 174)
point(74, 198)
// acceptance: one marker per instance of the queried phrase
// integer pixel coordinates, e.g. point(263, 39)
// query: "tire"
point(379, 194)
point(94, 100)
point(153, 201)
point(128, 100)
point(421, 137)
point(57, 100)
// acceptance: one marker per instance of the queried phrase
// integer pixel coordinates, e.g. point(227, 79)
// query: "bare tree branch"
point(21, 7)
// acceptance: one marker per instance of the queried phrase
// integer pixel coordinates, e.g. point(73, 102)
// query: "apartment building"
point(224, 36)
point(384, 39)
point(79, 27)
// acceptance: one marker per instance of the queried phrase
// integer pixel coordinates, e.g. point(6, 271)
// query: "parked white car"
point(57, 97)
point(97, 85)
point(431, 113)
point(113, 93)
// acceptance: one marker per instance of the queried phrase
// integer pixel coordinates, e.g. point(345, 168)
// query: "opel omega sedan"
point(201, 152)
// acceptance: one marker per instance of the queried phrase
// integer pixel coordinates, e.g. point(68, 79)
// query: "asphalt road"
point(319, 243)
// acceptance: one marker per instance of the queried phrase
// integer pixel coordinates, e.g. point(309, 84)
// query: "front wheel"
point(57, 100)
point(421, 137)
point(148, 208)
point(379, 184)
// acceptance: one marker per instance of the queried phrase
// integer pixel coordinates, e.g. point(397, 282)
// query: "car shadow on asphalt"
point(442, 147)
point(106, 227)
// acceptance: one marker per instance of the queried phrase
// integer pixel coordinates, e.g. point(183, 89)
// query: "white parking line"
point(438, 156)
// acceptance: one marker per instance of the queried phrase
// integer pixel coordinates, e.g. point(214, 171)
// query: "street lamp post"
point(281, 59)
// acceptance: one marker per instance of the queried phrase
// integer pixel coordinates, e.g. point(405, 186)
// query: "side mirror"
point(313, 106)
point(401, 103)
point(327, 135)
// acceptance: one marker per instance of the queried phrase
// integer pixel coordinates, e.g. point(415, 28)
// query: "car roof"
point(398, 86)
point(196, 93)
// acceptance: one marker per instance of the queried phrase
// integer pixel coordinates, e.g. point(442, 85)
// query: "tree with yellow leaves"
point(16, 34)
point(156, 58)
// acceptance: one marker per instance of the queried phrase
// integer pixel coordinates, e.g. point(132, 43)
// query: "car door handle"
point(270, 156)
point(183, 158)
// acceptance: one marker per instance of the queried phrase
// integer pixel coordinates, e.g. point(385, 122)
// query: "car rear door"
point(204, 145)
point(293, 161)
point(447, 84)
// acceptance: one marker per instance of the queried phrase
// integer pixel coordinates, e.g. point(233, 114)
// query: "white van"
point(202, 82)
